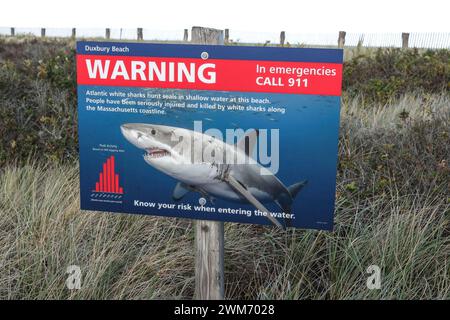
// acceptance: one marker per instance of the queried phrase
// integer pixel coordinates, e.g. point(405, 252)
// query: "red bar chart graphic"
point(108, 180)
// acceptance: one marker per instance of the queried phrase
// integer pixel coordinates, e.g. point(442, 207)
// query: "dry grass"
point(393, 210)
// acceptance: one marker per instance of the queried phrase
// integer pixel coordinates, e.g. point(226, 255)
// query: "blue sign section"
point(215, 52)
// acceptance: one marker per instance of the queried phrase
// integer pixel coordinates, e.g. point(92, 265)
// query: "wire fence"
point(431, 40)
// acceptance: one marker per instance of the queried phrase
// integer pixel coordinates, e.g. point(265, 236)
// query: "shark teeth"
point(153, 153)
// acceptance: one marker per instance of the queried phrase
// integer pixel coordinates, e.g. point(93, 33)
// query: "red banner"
point(211, 74)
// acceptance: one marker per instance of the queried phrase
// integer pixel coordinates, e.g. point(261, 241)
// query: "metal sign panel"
point(229, 133)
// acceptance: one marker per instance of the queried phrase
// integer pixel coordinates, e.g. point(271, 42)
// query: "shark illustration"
point(170, 150)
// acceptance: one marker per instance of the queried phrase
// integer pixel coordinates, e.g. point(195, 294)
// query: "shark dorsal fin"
point(248, 142)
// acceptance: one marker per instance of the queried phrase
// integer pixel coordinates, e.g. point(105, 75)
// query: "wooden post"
point(341, 39)
point(201, 35)
point(282, 38)
point(140, 35)
point(186, 35)
point(74, 33)
point(405, 40)
point(227, 36)
point(209, 235)
point(108, 33)
point(13, 32)
point(42, 32)
point(209, 277)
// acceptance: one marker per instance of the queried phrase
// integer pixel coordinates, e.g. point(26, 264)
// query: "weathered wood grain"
point(209, 235)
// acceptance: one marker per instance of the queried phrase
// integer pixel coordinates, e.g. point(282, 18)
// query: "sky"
point(298, 16)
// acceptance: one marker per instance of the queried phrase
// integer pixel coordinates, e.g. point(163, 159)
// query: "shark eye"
point(153, 132)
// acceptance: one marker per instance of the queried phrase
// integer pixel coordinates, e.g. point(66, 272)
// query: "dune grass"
point(392, 210)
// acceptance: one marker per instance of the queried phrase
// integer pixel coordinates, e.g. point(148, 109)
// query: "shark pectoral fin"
point(248, 142)
point(181, 189)
point(236, 185)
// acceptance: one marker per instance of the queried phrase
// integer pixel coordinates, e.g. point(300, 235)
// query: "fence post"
point(13, 32)
point(42, 32)
point(209, 235)
point(140, 35)
point(341, 39)
point(282, 38)
point(108, 33)
point(227, 36)
point(405, 40)
point(74, 33)
point(186, 35)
